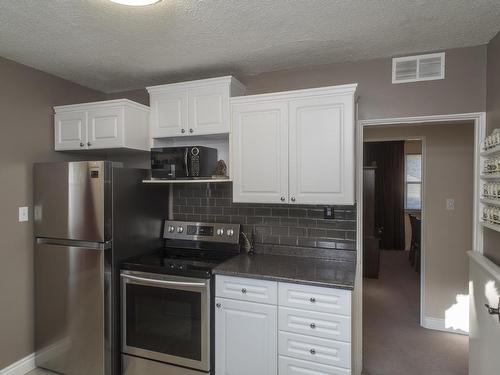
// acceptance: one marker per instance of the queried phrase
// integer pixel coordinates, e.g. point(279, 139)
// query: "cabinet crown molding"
point(197, 83)
point(292, 94)
point(100, 104)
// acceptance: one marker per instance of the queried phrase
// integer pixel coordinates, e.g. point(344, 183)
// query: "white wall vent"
point(418, 68)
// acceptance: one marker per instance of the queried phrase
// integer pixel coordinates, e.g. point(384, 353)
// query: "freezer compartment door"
point(70, 293)
point(71, 200)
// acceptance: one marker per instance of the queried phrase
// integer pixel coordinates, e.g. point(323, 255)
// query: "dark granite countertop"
point(330, 273)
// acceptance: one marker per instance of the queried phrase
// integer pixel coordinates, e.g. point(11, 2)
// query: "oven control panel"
point(196, 231)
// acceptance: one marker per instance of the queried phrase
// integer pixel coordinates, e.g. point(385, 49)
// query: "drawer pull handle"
point(312, 299)
point(312, 351)
point(244, 290)
point(312, 325)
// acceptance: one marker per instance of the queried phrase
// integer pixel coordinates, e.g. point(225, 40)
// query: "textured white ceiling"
point(112, 47)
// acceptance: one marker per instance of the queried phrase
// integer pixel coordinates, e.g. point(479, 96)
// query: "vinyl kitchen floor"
point(393, 341)
point(39, 371)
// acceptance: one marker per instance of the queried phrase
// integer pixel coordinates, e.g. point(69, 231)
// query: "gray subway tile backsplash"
point(286, 226)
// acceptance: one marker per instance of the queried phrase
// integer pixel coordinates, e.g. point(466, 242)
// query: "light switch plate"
point(23, 214)
point(450, 204)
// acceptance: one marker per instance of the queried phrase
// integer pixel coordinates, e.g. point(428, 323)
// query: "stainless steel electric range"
point(167, 300)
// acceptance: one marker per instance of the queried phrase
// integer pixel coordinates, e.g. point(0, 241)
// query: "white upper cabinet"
point(192, 108)
point(169, 113)
point(294, 147)
point(260, 156)
point(112, 124)
point(321, 150)
point(70, 129)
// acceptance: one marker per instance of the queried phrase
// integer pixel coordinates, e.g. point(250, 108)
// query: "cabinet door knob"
point(244, 290)
point(82, 144)
point(282, 199)
point(312, 351)
point(218, 305)
point(293, 199)
point(312, 299)
point(312, 325)
point(183, 131)
point(191, 130)
point(89, 144)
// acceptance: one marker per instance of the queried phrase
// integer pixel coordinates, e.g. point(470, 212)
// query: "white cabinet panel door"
point(322, 150)
point(105, 127)
point(245, 338)
point(245, 289)
point(314, 298)
point(208, 110)
point(484, 336)
point(70, 130)
point(314, 349)
point(260, 152)
point(328, 326)
point(169, 114)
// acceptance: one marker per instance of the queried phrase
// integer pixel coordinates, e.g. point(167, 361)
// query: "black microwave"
point(184, 162)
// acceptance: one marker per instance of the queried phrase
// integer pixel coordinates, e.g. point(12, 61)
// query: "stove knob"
point(172, 266)
point(230, 232)
point(220, 232)
point(181, 267)
point(171, 229)
point(180, 229)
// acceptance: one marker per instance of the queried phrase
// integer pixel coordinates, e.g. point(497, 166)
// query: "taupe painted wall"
point(449, 168)
point(463, 90)
point(26, 123)
point(492, 239)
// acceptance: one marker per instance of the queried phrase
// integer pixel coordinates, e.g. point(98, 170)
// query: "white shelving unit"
point(488, 178)
point(491, 226)
point(492, 176)
point(491, 202)
point(491, 152)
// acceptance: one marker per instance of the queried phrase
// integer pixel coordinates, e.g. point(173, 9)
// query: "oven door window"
point(164, 320)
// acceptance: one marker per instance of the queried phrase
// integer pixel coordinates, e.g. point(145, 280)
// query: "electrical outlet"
point(23, 214)
point(450, 204)
point(328, 213)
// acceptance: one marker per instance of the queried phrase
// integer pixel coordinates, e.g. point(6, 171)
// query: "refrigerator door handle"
point(74, 243)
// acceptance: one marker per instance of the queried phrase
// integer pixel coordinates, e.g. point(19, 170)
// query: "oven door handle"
point(162, 282)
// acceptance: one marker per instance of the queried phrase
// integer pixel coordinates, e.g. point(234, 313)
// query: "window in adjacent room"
point(413, 181)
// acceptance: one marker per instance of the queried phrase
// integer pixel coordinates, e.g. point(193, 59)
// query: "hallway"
point(393, 341)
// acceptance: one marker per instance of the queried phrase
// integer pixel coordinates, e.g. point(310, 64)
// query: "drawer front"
point(328, 326)
point(245, 289)
point(329, 300)
point(315, 349)
point(292, 366)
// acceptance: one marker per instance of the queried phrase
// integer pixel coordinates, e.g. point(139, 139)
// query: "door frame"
point(422, 211)
point(479, 119)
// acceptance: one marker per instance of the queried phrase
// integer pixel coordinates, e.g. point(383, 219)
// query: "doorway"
point(414, 299)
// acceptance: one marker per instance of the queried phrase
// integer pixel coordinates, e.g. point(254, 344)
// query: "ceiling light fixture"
point(136, 3)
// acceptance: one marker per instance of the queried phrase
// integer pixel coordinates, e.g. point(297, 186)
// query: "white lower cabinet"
point(304, 330)
point(314, 349)
point(292, 366)
point(245, 338)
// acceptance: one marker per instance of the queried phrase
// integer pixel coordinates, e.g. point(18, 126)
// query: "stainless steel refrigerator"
point(88, 216)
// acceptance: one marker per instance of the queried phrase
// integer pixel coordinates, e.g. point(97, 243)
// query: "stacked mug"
point(491, 190)
point(492, 140)
point(491, 215)
point(491, 166)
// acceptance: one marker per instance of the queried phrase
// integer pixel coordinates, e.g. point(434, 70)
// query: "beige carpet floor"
point(393, 341)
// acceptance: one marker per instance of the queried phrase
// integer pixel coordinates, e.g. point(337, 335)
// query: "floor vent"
point(418, 68)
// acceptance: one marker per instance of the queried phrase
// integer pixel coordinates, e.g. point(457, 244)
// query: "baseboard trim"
point(21, 367)
point(439, 325)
